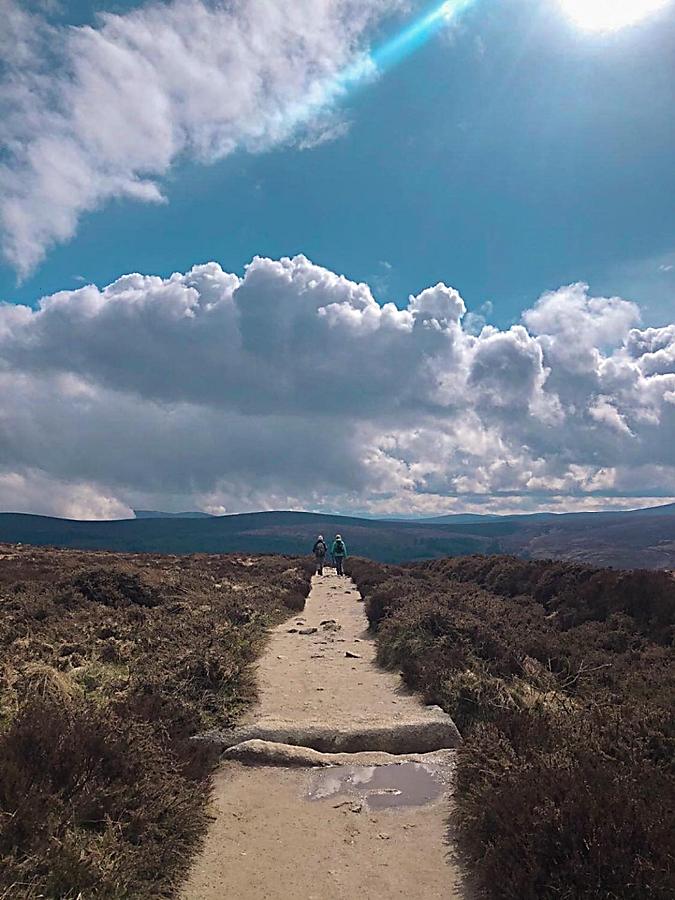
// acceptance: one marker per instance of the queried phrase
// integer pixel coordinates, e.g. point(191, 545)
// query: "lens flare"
point(418, 33)
point(609, 15)
point(326, 93)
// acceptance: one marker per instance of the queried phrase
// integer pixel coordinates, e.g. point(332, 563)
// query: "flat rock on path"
point(356, 690)
point(267, 840)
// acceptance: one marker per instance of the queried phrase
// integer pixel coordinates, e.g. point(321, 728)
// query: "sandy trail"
point(302, 832)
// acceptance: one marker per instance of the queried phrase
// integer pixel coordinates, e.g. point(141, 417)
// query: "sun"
point(609, 15)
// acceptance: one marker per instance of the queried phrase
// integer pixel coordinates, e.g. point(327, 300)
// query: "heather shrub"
point(111, 588)
point(94, 803)
point(576, 593)
point(367, 574)
point(109, 664)
point(294, 583)
point(560, 678)
point(386, 597)
point(552, 804)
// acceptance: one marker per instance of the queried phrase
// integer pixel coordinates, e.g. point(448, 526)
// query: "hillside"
point(666, 509)
point(560, 678)
point(269, 532)
point(644, 538)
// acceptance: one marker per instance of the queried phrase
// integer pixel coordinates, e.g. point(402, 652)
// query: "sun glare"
point(609, 15)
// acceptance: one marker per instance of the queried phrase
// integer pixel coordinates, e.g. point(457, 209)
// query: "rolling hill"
point(667, 509)
point(643, 538)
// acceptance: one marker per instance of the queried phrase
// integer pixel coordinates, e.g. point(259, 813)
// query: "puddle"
point(380, 787)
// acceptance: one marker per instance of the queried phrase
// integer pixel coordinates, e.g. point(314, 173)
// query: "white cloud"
point(26, 492)
point(290, 386)
point(603, 411)
point(476, 320)
point(324, 130)
point(95, 113)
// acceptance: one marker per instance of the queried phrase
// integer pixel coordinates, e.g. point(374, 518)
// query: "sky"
point(253, 260)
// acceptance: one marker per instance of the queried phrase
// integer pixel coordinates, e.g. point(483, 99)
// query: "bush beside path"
point(561, 678)
point(110, 664)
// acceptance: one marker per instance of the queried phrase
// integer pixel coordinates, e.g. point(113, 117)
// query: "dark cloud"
point(292, 386)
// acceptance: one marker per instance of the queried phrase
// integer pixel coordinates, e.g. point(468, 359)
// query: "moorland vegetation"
point(109, 664)
point(562, 679)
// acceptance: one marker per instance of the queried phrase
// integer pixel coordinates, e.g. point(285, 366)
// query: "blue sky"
point(507, 156)
point(508, 187)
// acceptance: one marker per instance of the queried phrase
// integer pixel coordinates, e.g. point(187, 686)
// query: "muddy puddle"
point(380, 787)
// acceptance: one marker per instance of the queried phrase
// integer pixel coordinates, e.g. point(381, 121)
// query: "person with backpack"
point(339, 553)
point(319, 550)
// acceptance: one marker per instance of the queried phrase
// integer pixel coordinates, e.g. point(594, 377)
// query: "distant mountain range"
point(474, 518)
point(641, 538)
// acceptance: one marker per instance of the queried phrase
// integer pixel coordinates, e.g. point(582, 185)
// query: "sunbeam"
point(418, 33)
point(369, 65)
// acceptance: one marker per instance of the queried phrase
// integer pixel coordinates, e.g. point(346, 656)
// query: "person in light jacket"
point(339, 553)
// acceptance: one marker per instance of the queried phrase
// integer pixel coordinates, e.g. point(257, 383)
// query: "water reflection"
point(381, 787)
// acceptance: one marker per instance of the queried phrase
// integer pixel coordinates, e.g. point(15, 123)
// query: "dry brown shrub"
point(93, 803)
point(554, 805)
point(562, 679)
point(109, 664)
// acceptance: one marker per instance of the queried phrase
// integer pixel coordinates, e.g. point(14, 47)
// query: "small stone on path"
point(267, 775)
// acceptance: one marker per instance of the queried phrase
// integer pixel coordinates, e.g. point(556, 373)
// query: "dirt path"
point(339, 832)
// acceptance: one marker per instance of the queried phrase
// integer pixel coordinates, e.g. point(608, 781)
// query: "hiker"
point(339, 553)
point(319, 550)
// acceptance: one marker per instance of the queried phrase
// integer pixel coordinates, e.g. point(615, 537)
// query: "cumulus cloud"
point(25, 492)
point(92, 113)
point(291, 386)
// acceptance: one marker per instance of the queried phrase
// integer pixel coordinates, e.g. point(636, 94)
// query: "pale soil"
point(267, 839)
point(307, 679)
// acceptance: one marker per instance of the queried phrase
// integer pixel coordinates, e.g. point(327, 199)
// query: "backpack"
point(320, 548)
point(339, 548)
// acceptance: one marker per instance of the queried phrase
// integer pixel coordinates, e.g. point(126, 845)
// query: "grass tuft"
point(109, 664)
